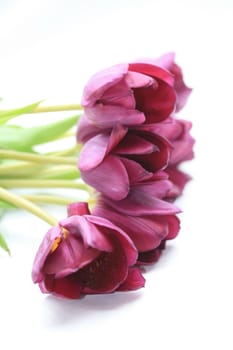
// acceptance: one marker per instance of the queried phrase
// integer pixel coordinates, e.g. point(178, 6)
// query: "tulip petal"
point(118, 95)
point(173, 226)
point(135, 171)
point(93, 152)
point(106, 116)
point(136, 80)
point(86, 130)
point(105, 273)
point(66, 287)
point(151, 256)
point(78, 208)
point(127, 244)
point(102, 81)
point(167, 61)
point(43, 252)
point(140, 203)
point(158, 159)
point(68, 257)
point(179, 179)
point(145, 231)
point(157, 103)
point(134, 280)
point(158, 189)
point(114, 184)
point(91, 235)
point(133, 144)
point(153, 71)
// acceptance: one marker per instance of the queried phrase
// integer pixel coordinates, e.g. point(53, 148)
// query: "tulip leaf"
point(23, 139)
point(13, 113)
point(3, 244)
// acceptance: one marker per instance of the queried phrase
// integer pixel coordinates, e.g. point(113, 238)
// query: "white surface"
point(48, 50)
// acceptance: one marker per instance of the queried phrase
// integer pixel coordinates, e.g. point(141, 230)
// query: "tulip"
point(144, 92)
point(85, 254)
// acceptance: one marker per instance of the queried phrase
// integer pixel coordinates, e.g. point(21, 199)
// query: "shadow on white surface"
point(69, 311)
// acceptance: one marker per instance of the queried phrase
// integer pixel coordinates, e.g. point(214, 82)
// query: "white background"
point(48, 49)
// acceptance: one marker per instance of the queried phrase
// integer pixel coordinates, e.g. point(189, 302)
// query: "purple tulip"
point(178, 133)
point(86, 254)
point(144, 215)
point(137, 93)
point(107, 159)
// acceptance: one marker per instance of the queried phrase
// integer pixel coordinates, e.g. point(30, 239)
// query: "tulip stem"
point(58, 108)
point(66, 152)
point(36, 158)
point(48, 199)
point(40, 183)
point(24, 203)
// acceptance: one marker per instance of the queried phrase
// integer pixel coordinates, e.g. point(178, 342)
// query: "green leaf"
point(13, 113)
point(23, 139)
point(4, 245)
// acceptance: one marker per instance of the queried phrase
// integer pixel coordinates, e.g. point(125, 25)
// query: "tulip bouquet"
point(130, 144)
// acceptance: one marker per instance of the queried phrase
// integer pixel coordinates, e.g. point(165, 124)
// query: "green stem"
point(48, 199)
point(36, 158)
point(60, 172)
point(44, 184)
point(23, 203)
point(16, 169)
point(58, 108)
point(66, 152)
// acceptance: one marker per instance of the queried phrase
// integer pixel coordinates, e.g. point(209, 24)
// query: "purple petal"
point(139, 203)
point(145, 231)
point(106, 116)
point(102, 81)
point(66, 287)
point(136, 80)
point(78, 208)
point(81, 226)
point(114, 184)
point(119, 94)
point(93, 152)
point(68, 257)
point(165, 61)
point(158, 189)
point(153, 71)
point(135, 171)
point(134, 280)
point(106, 273)
point(127, 244)
point(133, 144)
point(86, 129)
point(43, 252)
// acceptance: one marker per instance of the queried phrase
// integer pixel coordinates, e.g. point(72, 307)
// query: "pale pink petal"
point(136, 80)
point(102, 81)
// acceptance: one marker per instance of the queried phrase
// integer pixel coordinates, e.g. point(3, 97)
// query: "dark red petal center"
point(106, 272)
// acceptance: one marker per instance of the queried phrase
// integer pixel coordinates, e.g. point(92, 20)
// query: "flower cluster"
point(133, 144)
